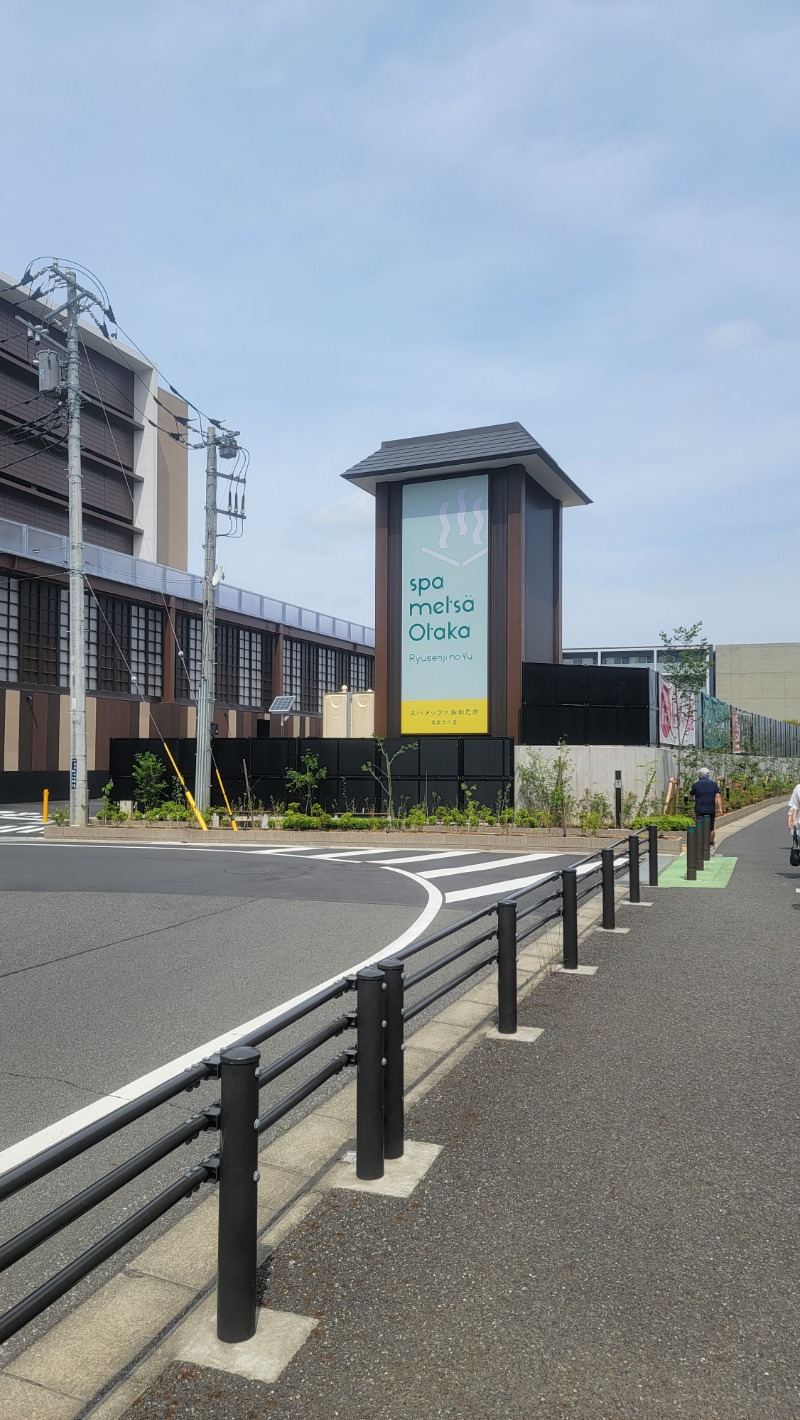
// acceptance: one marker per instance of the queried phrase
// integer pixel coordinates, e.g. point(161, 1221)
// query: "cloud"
point(731, 335)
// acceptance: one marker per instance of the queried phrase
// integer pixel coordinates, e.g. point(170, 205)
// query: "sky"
point(333, 222)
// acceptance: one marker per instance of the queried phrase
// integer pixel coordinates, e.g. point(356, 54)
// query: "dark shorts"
point(710, 817)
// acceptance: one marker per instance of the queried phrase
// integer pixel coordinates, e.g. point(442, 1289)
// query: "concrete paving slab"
point(187, 1253)
point(580, 970)
point(341, 1105)
point(21, 1400)
point(96, 1341)
point(465, 1012)
point(523, 1035)
point(279, 1336)
point(417, 1063)
point(307, 1146)
point(436, 1037)
point(400, 1177)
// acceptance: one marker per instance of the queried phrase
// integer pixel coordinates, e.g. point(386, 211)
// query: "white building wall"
point(593, 767)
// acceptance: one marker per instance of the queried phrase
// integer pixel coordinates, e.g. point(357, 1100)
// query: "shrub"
point(149, 780)
point(665, 823)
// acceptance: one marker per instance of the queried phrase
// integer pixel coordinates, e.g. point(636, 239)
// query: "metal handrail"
point(442, 962)
point(449, 985)
point(83, 1139)
point(43, 1297)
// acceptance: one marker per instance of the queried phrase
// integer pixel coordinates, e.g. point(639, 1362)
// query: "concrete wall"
point(593, 767)
point(761, 678)
point(172, 511)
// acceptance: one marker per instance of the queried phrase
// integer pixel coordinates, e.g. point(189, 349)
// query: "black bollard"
point(507, 968)
point(369, 1076)
point(691, 854)
point(238, 1194)
point(394, 1077)
point(652, 851)
point(607, 861)
point(634, 892)
point(569, 904)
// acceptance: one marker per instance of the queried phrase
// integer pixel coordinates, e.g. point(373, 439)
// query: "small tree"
point(304, 781)
point(383, 775)
point(687, 658)
point(149, 780)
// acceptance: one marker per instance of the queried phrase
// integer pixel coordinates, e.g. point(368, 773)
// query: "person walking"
point(707, 799)
point(794, 823)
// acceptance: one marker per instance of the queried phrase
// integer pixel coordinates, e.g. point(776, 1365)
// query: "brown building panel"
point(53, 731)
point(25, 740)
point(38, 709)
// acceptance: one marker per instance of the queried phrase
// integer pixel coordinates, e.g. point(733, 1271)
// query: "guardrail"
point(379, 1022)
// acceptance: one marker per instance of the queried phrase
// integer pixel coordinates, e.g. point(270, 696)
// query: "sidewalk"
point(610, 1229)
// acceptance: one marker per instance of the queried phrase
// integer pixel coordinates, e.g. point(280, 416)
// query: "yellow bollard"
point(45, 804)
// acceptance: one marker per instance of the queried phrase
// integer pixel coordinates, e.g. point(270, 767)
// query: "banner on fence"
point(677, 721)
point(716, 723)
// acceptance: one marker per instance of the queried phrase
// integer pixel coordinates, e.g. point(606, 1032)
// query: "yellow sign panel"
point(444, 717)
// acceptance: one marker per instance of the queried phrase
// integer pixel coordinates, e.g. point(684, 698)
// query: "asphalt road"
point(116, 960)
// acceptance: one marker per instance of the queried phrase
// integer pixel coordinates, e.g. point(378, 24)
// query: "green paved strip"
point(716, 873)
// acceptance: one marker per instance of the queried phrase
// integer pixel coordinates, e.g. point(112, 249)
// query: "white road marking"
point(71, 1123)
point(423, 857)
point(334, 857)
point(485, 867)
point(488, 889)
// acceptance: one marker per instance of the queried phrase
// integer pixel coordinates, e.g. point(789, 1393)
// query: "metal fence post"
point(607, 861)
point(652, 851)
point(394, 1078)
point(369, 1078)
point(569, 906)
point(691, 854)
point(706, 838)
point(507, 968)
point(238, 1194)
point(634, 893)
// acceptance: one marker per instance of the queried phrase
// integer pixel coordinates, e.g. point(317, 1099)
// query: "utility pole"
point(78, 779)
point(207, 689)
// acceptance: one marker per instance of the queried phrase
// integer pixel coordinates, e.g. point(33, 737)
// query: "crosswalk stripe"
point(490, 889)
point(422, 857)
point(348, 853)
point(486, 867)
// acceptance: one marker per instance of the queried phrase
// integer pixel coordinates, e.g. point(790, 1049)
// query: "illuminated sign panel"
point(445, 611)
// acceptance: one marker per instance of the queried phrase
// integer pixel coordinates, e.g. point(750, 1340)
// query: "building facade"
point(762, 678)
point(143, 609)
point(143, 624)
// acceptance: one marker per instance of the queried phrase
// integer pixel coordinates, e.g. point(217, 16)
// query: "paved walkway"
point(611, 1228)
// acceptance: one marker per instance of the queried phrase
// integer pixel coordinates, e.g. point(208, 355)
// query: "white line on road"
point(28, 1148)
point(348, 853)
point(491, 889)
point(485, 867)
point(422, 857)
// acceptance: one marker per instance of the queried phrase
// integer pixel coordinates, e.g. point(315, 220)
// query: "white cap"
point(704, 773)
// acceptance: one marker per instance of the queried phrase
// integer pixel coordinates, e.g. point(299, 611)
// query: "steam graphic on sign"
point(463, 531)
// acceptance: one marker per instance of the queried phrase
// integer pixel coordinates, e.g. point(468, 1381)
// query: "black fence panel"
point(436, 771)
